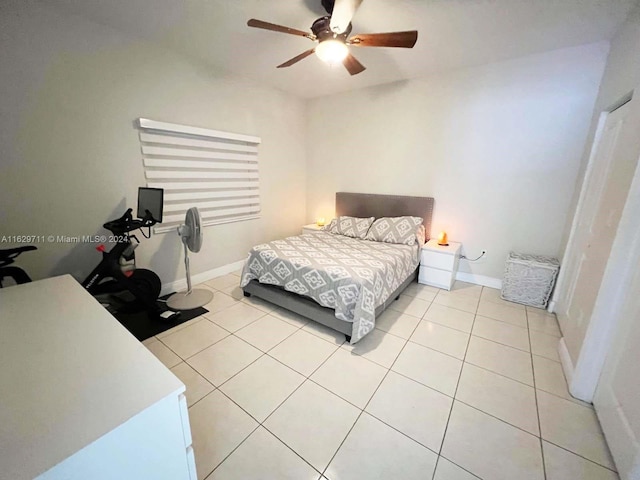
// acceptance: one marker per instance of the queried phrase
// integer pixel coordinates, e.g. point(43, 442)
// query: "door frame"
point(583, 377)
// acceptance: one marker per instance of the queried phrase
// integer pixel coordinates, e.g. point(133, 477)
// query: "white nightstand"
point(312, 227)
point(439, 264)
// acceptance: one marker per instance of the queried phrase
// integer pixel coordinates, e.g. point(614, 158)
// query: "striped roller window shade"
point(198, 167)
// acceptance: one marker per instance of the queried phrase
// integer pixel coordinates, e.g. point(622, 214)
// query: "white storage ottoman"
point(529, 279)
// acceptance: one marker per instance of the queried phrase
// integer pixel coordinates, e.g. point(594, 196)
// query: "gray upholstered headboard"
point(373, 205)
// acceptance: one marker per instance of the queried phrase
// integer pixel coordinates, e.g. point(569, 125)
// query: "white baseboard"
point(479, 280)
point(181, 284)
point(551, 308)
point(565, 360)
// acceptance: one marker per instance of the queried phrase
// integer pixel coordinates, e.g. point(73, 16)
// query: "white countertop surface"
point(451, 248)
point(69, 374)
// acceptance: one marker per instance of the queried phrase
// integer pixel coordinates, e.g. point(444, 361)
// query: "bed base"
point(308, 308)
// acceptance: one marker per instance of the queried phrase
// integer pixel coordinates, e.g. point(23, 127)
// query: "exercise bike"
point(117, 275)
point(7, 257)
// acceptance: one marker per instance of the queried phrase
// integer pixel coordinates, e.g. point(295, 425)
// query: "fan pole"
point(186, 264)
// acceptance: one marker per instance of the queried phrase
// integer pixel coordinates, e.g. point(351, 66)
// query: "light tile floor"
point(453, 385)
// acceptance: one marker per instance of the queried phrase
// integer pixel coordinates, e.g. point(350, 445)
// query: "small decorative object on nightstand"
point(439, 264)
point(312, 227)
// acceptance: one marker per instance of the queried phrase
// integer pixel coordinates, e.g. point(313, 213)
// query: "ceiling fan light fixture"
point(332, 51)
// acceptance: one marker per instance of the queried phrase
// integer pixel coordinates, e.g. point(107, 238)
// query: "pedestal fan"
point(191, 234)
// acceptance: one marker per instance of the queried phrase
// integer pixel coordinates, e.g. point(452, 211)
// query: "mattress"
point(348, 275)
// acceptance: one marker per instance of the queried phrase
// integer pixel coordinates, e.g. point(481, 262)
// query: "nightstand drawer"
point(439, 260)
point(436, 278)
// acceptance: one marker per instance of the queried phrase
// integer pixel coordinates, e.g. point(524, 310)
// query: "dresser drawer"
point(443, 261)
point(184, 415)
point(191, 462)
point(436, 277)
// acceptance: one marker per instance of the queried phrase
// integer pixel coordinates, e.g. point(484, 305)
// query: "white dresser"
point(439, 264)
point(80, 397)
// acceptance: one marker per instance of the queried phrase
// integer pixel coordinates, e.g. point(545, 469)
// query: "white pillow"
point(353, 227)
point(402, 230)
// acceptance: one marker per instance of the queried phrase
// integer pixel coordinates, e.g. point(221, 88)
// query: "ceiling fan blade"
point(343, 12)
point(278, 28)
point(297, 59)
point(353, 65)
point(391, 39)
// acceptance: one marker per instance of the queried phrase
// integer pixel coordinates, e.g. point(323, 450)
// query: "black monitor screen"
point(150, 199)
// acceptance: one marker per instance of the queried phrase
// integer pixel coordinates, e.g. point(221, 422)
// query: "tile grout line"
point(185, 360)
point(502, 321)
point(307, 378)
point(204, 317)
point(581, 456)
point(454, 308)
point(233, 401)
point(474, 407)
point(200, 375)
point(499, 374)
point(434, 350)
point(456, 399)
point(422, 384)
point(499, 343)
point(262, 355)
point(460, 467)
point(261, 424)
point(338, 347)
point(444, 435)
point(369, 401)
point(453, 398)
point(232, 451)
point(244, 368)
point(444, 325)
point(535, 395)
point(497, 418)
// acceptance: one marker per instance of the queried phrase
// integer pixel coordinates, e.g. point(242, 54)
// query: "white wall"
point(498, 146)
point(69, 153)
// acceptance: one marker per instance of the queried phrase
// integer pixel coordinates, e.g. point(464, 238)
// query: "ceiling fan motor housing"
point(322, 30)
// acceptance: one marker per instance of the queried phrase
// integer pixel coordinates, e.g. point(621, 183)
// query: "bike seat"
point(7, 255)
point(14, 252)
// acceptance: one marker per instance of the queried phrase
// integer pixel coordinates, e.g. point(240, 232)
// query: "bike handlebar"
point(126, 222)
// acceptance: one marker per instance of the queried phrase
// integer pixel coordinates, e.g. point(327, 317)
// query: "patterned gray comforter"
point(349, 275)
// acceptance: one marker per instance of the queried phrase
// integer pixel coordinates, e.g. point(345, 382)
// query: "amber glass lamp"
point(320, 222)
point(442, 239)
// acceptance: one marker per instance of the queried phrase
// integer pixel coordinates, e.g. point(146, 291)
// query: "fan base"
point(188, 301)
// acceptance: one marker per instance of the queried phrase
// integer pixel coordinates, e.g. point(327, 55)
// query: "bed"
point(341, 282)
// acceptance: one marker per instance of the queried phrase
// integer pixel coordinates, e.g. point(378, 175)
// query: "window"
point(197, 167)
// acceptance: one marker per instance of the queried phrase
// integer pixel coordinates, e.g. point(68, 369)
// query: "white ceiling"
point(453, 34)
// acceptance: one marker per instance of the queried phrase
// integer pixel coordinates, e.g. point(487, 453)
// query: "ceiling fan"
point(332, 32)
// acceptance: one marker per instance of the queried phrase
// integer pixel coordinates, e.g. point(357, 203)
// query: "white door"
point(617, 399)
point(615, 161)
